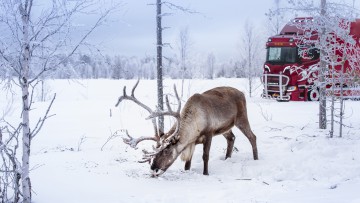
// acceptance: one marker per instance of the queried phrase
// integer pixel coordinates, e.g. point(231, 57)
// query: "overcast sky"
point(217, 29)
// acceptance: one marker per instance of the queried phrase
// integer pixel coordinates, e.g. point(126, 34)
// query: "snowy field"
point(297, 161)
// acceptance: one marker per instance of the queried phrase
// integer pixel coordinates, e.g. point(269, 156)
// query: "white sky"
point(217, 29)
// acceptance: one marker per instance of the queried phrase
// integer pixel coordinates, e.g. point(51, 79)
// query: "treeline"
point(85, 66)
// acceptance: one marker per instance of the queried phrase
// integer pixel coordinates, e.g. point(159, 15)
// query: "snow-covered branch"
point(42, 120)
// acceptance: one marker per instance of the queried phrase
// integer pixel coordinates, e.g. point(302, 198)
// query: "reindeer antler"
point(169, 112)
point(134, 141)
point(167, 138)
point(162, 143)
point(132, 98)
point(147, 156)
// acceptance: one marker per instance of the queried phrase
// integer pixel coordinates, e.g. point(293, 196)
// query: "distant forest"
point(86, 66)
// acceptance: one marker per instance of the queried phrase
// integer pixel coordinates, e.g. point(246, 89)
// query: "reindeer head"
point(167, 153)
point(163, 160)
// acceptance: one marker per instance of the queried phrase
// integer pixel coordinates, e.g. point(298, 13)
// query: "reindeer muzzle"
point(156, 172)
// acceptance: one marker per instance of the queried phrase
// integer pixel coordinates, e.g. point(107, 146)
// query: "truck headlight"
point(286, 68)
point(267, 68)
point(291, 88)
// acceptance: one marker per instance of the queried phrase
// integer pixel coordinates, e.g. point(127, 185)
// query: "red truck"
point(289, 74)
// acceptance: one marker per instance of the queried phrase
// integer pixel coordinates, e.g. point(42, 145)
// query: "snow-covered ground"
point(297, 161)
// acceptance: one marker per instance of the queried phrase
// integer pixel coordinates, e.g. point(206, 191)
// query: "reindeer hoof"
point(187, 166)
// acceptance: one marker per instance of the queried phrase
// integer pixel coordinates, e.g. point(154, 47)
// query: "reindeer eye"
point(166, 151)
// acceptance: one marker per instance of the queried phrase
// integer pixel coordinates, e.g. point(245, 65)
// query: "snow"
point(297, 161)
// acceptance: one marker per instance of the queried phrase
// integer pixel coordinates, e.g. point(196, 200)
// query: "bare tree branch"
point(41, 121)
point(173, 6)
point(80, 42)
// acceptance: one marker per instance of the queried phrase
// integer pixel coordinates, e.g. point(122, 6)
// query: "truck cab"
point(286, 69)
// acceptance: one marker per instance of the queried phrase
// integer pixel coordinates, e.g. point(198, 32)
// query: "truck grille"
point(275, 86)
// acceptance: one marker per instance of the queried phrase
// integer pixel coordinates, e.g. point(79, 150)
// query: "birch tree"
point(10, 164)
point(332, 23)
point(344, 67)
point(210, 66)
point(33, 36)
point(184, 48)
point(276, 19)
point(322, 71)
point(251, 53)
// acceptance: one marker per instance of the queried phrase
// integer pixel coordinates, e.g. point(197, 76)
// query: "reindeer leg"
point(230, 138)
point(246, 130)
point(188, 165)
point(187, 154)
point(207, 145)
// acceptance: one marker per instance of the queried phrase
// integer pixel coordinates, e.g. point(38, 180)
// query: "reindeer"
point(204, 115)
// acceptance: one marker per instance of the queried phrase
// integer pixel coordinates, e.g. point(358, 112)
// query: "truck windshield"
point(281, 55)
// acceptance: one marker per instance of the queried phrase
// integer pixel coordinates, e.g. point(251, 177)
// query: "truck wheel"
point(313, 95)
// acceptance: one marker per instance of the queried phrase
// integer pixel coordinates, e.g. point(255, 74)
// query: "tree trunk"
point(24, 81)
point(332, 107)
point(341, 99)
point(322, 86)
point(159, 64)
